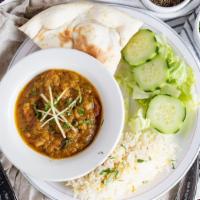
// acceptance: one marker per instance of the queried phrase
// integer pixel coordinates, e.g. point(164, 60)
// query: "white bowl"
point(38, 165)
point(160, 9)
point(196, 32)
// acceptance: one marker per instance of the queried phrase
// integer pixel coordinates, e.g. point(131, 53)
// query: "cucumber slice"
point(166, 113)
point(141, 48)
point(152, 74)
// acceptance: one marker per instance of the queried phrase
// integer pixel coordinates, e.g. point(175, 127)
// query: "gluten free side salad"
point(160, 81)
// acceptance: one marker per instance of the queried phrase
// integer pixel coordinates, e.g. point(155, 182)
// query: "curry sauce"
point(58, 113)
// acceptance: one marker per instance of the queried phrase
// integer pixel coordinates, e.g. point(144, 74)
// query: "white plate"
point(190, 142)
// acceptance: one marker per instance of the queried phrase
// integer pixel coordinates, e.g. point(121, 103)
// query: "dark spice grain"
point(167, 3)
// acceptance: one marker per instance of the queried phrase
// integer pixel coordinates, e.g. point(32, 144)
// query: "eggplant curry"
point(58, 113)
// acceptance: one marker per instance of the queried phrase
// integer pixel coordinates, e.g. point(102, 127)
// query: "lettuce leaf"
point(187, 88)
point(125, 80)
point(138, 93)
point(138, 122)
point(170, 89)
point(181, 78)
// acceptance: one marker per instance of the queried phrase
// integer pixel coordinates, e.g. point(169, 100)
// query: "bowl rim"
point(99, 159)
point(162, 9)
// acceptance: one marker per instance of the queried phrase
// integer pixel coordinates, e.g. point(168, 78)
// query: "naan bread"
point(100, 31)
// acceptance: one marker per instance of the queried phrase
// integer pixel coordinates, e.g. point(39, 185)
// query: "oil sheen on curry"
point(58, 113)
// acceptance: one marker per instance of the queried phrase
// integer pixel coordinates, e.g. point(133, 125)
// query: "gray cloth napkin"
point(13, 15)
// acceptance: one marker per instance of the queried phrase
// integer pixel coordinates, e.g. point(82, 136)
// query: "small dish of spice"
point(165, 6)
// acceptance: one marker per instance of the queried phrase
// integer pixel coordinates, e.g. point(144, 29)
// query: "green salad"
point(158, 81)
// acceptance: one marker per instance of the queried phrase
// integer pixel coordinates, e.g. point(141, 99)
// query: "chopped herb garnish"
point(109, 174)
point(140, 160)
point(173, 164)
point(46, 107)
point(37, 113)
point(100, 152)
point(66, 126)
point(123, 146)
point(81, 111)
point(68, 113)
point(108, 171)
point(105, 171)
point(88, 122)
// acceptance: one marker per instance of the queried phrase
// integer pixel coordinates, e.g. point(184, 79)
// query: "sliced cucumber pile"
point(141, 48)
point(166, 113)
point(151, 75)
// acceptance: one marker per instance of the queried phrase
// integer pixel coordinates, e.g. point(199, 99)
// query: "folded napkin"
point(16, 13)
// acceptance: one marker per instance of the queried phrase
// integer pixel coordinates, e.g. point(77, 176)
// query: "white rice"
point(136, 161)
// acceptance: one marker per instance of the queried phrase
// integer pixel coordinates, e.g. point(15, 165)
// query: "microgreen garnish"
point(173, 164)
point(68, 113)
point(108, 171)
point(37, 113)
point(123, 147)
point(46, 107)
point(66, 126)
point(88, 121)
point(140, 160)
point(81, 111)
point(109, 174)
